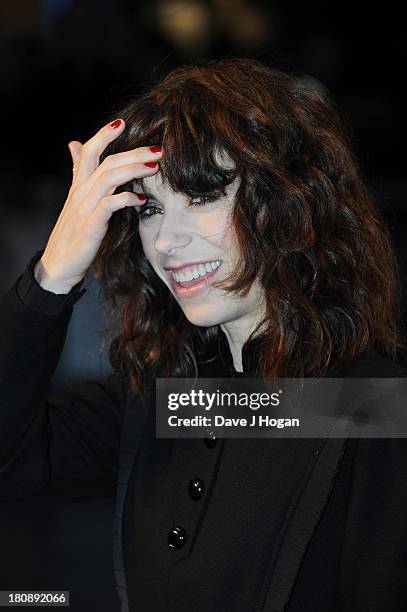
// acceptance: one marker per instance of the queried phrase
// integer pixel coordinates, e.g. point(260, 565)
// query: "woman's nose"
point(171, 235)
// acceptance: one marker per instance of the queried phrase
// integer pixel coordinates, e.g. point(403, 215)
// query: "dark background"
point(64, 66)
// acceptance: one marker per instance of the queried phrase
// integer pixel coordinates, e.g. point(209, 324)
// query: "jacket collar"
point(367, 364)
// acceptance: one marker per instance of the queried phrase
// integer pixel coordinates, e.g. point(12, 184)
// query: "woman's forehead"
point(152, 184)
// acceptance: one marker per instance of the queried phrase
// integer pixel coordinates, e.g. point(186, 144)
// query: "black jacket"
point(255, 524)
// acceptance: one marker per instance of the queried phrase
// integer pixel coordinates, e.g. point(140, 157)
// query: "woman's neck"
point(237, 333)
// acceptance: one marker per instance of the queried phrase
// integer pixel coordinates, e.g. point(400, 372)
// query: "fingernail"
point(141, 196)
point(116, 123)
point(151, 164)
point(156, 149)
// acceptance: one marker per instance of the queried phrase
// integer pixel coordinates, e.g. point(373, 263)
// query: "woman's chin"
point(201, 318)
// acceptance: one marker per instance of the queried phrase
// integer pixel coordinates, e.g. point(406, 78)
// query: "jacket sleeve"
point(65, 442)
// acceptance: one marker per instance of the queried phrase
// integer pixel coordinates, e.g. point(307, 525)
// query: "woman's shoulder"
point(372, 364)
point(373, 451)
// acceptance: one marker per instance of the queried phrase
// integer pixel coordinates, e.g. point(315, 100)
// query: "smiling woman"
point(243, 244)
point(190, 243)
point(306, 264)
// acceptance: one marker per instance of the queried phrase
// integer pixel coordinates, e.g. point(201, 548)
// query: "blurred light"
point(185, 23)
point(249, 26)
point(20, 15)
point(52, 11)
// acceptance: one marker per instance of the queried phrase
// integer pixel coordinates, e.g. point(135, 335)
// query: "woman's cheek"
point(147, 240)
point(215, 227)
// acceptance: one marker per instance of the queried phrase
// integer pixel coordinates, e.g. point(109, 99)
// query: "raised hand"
point(84, 219)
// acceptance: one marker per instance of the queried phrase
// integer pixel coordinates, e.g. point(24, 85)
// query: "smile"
point(194, 272)
point(195, 279)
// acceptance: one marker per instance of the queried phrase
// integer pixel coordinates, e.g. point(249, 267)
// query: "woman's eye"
point(148, 210)
point(202, 200)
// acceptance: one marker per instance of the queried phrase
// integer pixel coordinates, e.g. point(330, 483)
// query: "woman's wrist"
point(47, 283)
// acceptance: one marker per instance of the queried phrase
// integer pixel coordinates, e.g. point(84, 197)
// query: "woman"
point(242, 175)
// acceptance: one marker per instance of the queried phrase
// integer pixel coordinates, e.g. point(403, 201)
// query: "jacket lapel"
point(301, 524)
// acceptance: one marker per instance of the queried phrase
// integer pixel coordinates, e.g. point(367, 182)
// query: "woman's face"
point(185, 237)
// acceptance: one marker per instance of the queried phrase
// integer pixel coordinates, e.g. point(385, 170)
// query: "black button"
point(177, 537)
point(210, 442)
point(196, 488)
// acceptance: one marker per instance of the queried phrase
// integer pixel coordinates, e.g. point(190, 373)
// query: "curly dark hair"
point(305, 223)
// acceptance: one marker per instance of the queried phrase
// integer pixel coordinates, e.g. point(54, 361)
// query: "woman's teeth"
point(193, 272)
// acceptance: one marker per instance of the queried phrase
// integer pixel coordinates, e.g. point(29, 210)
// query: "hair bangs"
point(197, 156)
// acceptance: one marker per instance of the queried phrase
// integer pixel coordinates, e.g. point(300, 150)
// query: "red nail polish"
point(151, 164)
point(141, 196)
point(116, 123)
point(155, 149)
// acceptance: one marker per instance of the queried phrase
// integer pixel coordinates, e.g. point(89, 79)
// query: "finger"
point(110, 204)
point(94, 147)
point(75, 148)
point(140, 155)
point(108, 181)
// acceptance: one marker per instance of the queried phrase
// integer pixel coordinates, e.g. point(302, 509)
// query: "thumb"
point(75, 148)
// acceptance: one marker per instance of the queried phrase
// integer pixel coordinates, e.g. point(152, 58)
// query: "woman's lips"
point(195, 286)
